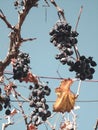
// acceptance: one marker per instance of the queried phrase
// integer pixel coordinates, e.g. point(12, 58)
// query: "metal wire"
point(81, 101)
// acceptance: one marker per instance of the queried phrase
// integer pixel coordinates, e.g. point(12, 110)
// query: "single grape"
point(7, 112)
point(32, 103)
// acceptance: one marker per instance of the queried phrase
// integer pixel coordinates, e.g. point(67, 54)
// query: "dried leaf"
point(30, 78)
point(65, 97)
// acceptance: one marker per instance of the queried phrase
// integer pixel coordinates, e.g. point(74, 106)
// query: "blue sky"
point(42, 52)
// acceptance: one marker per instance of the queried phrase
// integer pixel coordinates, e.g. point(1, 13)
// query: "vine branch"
point(15, 34)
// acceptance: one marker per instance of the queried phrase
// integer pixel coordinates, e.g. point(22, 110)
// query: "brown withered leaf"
point(65, 97)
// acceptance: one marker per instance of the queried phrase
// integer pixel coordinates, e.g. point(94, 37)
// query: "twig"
point(47, 3)
point(22, 111)
point(28, 39)
point(60, 11)
point(2, 16)
point(74, 120)
point(18, 94)
point(23, 13)
point(78, 90)
point(75, 46)
point(5, 125)
point(80, 12)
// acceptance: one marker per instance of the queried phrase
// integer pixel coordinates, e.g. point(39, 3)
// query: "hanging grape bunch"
point(21, 66)
point(84, 68)
point(37, 99)
point(65, 40)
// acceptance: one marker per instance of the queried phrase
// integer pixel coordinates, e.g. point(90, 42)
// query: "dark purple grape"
point(82, 76)
point(72, 129)
point(40, 93)
point(93, 63)
point(44, 117)
point(52, 32)
point(74, 41)
point(74, 34)
point(7, 112)
point(90, 77)
point(46, 87)
point(43, 100)
point(39, 104)
point(40, 114)
point(36, 86)
point(22, 3)
point(59, 56)
point(87, 61)
point(69, 52)
point(82, 58)
point(59, 46)
point(35, 109)
point(30, 87)
point(68, 27)
point(71, 69)
point(92, 70)
point(47, 92)
point(90, 58)
point(70, 63)
point(46, 106)
point(48, 114)
point(34, 93)
point(16, 3)
point(63, 61)
point(35, 99)
point(68, 45)
point(30, 97)
point(40, 111)
point(78, 63)
point(32, 104)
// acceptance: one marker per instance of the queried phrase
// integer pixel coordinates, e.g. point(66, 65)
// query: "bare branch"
point(60, 11)
point(80, 12)
point(15, 35)
point(2, 16)
point(23, 13)
point(75, 46)
point(47, 3)
point(5, 125)
point(28, 39)
point(20, 105)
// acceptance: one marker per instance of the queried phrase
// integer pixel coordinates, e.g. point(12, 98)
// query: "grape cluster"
point(64, 39)
point(21, 66)
point(84, 67)
point(38, 102)
point(5, 102)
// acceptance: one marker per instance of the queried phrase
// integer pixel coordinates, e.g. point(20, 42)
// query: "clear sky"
point(42, 53)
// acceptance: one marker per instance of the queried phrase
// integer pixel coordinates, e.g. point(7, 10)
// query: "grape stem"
point(60, 11)
point(75, 46)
